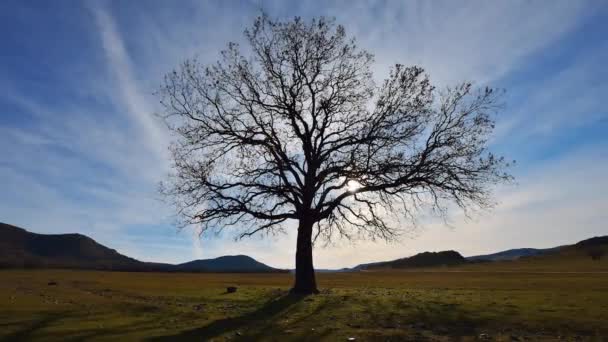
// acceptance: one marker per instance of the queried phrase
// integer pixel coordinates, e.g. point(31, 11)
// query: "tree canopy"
point(293, 127)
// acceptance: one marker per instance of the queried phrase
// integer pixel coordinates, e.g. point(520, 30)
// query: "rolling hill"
point(590, 255)
point(22, 249)
point(598, 241)
point(582, 247)
point(511, 254)
point(228, 263)
point(426, 259)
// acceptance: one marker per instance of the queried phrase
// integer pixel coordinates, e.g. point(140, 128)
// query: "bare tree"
point(294, 128)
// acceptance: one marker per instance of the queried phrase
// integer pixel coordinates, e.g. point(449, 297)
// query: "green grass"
point(456, 304)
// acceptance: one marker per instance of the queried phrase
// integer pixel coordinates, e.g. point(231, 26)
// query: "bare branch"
point(279, 133)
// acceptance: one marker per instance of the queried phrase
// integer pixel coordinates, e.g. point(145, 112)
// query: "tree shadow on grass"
point(267, 313)
point(414, 317)
point(32, 327)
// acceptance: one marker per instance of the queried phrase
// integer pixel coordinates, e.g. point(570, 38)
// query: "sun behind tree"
point(296, 129)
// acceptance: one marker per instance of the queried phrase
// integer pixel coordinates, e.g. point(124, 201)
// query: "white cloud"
point(476, 40)
point(566, 100)
point(72, 190)
point(79, 164)
point(137, 105)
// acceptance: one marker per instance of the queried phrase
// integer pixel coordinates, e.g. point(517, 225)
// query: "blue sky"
point(82, 152)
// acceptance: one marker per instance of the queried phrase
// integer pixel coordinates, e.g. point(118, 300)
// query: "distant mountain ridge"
point(515, 254)
point(426, 259)
point(22, 249)
point(593, 242)
point(586, 248)
point(511, 254)
point(227, 263)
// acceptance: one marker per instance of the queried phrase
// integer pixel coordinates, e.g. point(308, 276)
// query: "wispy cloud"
point(119, 63)
point(81, 165)
point(90, 159)
point(476, 40)
point(566, 99)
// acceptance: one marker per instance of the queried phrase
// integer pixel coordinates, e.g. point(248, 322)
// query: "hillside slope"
point(22, 249)
point(590, 255)
point(511, 254)
point(426, 259)
point(228, 263)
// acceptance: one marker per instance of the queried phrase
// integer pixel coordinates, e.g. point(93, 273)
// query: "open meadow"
point(320, 170)
point(451, 304)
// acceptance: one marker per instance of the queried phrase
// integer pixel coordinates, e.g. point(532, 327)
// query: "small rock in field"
point(198, 307)
point(484, 336)
point(351, 339)
point(231, 289)
point(238, 333)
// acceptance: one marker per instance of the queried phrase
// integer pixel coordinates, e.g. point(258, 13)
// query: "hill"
point(426, 259)
point(588, 246)
point(594, 248)
point(228, 263)
point(593, 242)
point(590, 255)
point(22, 249)
point(511, 254)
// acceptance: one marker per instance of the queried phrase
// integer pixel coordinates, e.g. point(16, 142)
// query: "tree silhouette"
point(294, 128)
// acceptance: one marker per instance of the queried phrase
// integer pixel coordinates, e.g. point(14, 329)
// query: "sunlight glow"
point(352, 185)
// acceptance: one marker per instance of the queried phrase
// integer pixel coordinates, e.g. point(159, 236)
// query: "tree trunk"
point(305, 282)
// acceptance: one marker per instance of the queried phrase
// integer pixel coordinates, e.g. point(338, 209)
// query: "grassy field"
point(451, 305)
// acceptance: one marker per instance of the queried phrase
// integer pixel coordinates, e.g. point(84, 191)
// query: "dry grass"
point(88, 305)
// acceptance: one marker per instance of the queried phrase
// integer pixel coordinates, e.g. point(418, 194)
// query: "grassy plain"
point(452, 304)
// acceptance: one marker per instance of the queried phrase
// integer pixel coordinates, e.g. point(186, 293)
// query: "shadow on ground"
point(37, 329)
point(269, 312)
point(31, 328)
